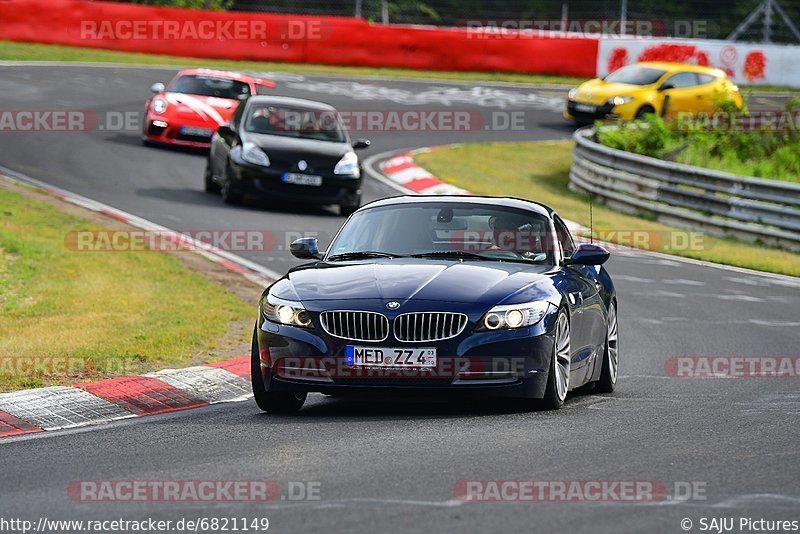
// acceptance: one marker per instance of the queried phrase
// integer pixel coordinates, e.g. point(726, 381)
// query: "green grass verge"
point(540, 172)
point(783, 164)
point(14, 51)
point(770, 155)
point(106, 312)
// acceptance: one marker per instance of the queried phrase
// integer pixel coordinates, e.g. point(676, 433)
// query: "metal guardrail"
point(716, 202)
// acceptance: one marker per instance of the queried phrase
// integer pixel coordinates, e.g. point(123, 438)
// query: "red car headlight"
point(158, 105)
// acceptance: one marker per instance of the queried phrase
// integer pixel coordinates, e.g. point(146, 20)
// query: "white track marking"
point(211, 384)
point(58, 407)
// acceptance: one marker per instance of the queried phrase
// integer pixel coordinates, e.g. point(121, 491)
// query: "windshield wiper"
point(360, 255)
point(460, 254)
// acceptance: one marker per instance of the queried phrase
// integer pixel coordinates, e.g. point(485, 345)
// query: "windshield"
point(303, 123)
point(634, 75)
point(210, 86)
point(446, 229)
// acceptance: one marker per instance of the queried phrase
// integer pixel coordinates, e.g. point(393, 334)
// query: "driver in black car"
point(517, 237)
point(266, 119)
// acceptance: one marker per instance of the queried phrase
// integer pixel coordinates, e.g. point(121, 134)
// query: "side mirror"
point(666, 87)
point(588, 254)
point(157, 87)
point(225, 130)
point(305, 248)
point(361, 143)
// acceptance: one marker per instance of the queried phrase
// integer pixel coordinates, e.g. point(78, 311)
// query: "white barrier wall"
point(748, 64)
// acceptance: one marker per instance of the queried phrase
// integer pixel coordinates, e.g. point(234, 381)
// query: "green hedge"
point(697, 140)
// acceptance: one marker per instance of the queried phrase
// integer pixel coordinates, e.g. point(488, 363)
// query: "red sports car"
point(196, 102)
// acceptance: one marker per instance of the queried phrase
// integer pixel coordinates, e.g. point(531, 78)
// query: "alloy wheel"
point(562, 355)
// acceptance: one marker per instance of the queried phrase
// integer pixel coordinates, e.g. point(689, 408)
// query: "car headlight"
point(514, 315)
point(619, 100)
point(348, 165)
point(285, 312)
point(252, 154)
point(158, 105)
point(572, 93)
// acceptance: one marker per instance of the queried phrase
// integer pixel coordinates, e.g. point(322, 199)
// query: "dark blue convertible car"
point(450, 295)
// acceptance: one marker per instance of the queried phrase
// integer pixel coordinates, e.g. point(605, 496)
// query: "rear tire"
point(558, 375)
point(211, 185)
point(268, 401)
point(608, 376)
point(645, 110)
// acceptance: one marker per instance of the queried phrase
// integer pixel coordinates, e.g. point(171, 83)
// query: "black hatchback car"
point(286, 149)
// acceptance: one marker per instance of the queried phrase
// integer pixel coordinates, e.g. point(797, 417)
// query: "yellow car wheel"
point(645, 110)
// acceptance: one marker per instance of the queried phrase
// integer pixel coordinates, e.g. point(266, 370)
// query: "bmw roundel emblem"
point(302, 165)
point(393, 305)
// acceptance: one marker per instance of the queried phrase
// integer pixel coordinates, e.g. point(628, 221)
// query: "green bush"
point(763, 154)
point(649, 136)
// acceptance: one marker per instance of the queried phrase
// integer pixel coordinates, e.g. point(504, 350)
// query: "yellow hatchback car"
point(651, 87)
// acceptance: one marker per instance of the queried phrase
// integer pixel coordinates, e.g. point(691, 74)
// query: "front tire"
point(608, 376)
point(211, 185)
point(558, 375)
point(229, 193)
point(645, 110)
point(270, 401)
point(347, 209)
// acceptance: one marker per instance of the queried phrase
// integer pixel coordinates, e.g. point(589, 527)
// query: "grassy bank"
point(540, 172)
point(39, 52)
point(13, 51)
point(68, 316)
point(764, 154)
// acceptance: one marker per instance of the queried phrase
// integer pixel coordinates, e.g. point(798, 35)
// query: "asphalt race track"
point(393, 466)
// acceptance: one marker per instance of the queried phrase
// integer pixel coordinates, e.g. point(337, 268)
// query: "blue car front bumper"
point(508, 363)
